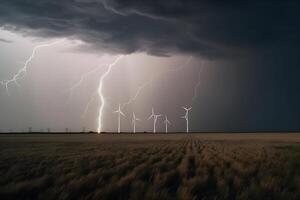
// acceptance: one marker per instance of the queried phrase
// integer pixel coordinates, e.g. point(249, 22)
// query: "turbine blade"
point(122, 113)
point(151, 116)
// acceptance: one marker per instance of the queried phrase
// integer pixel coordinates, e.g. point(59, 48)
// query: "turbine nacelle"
point(134, 118)
point(186, 109)
point(156, 117)
point(166, 121)
point(119, 111)
point(152, 114)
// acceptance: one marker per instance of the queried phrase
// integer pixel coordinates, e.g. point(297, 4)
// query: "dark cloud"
point(5, 40)
point(209, 28)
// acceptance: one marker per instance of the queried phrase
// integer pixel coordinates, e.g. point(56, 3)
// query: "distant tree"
point(30, 130)
point(48, 130)
point(66, 130)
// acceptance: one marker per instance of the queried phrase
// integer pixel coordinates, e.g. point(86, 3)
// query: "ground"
point(150, 166)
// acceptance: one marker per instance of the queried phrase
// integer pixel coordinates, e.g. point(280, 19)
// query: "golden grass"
point(198, 166)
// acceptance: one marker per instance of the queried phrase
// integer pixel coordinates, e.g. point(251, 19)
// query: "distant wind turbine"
point(186, 117)
point(119, 117)
point(155, 117)
point(166, 123)
point(134, 119)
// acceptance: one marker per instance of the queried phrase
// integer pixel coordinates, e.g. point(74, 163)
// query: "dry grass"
point(217, 166)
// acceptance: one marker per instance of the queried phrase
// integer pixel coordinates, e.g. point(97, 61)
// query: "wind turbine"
point(155, 117)
point(134, 119)
point(119, 117)
point(186, 117)
point(166, 123)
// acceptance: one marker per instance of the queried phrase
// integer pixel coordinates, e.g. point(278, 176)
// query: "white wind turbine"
point(186, 117)
point(155, 117)
point(119, 117)
point(166, 123)
point(134, 119)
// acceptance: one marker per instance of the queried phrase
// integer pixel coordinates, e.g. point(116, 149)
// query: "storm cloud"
point(214, 29)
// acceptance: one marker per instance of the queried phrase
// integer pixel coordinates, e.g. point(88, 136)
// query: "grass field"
point(147, 166)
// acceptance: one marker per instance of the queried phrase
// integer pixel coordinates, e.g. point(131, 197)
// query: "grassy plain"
point(148, 166)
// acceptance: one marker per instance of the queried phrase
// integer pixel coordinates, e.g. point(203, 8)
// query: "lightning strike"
point(79, 82)
point(196, 88)
point(23, 70)
point(100, 93)
point(88, 104)
point(137, 93)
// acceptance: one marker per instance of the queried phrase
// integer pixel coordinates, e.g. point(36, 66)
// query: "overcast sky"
point(235, 63)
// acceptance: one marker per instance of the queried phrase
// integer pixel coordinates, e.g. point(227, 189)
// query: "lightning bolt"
point(137, 93)
point(100, 92)
point(140, 88)
point(79, 82)
point(23, 70)
point(196, 88)
point(88, 104)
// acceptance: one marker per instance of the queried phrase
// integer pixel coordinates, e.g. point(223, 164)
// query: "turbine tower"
point(155, 117)
point(166, 123)
point(119, 117)
point(134, 119)
point(186, 117)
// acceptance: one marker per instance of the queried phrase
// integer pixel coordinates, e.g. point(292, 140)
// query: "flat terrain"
point(148, 166)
